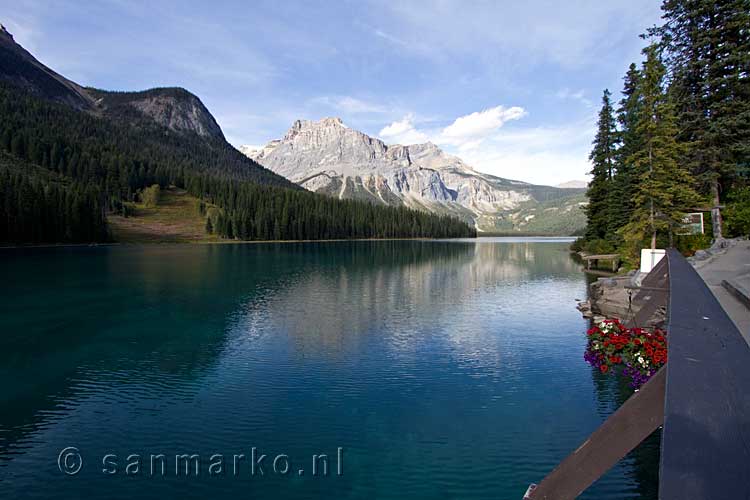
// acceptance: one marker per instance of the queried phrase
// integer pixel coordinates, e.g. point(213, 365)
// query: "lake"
point(421, 369)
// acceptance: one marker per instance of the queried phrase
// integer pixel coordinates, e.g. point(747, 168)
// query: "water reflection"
point(402, 288)
point(427, 360)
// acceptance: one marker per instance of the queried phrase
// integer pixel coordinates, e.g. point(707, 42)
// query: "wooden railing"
point(701, 397)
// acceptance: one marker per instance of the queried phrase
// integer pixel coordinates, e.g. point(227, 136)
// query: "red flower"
point(604, 368)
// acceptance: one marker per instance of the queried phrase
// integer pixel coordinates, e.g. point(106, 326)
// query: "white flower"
point(641, 360)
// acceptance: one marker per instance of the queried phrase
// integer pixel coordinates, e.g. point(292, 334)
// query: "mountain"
point(145, 114)
point(18, 67)
point(174, 108)
point(573, 185)
point(330, 158)
point(72, 156)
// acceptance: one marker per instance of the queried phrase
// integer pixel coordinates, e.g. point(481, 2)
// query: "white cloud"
point(348, 104)
point(542, 155)
point(403, 132)
point(468, 132)
point(465, 133)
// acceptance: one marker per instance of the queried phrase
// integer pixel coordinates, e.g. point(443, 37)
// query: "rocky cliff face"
point(174, 108)
point(329, 157)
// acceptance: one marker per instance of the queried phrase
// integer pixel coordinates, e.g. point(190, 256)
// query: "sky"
point(513, 88)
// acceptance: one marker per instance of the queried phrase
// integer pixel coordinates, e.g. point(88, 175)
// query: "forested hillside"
point(72, 155)
point(38, 206)
point(111, 160)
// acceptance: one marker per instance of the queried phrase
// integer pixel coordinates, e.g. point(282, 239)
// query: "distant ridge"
point(328, 157)
point(573, 185)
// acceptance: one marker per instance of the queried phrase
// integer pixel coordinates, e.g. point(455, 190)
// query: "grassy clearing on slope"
point(175, 219)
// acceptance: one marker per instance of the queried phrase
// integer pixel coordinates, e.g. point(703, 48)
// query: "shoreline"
point(243, 242)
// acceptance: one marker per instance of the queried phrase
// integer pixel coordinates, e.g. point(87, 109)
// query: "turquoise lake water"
point(422, 369)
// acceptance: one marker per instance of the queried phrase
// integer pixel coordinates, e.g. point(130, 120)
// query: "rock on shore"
point(612, 297)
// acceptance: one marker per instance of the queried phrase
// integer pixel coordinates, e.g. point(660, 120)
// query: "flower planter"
point(641, 352)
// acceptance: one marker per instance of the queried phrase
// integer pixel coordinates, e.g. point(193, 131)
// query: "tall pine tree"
point(664, 187)
point(603, 159)
point(623, 182)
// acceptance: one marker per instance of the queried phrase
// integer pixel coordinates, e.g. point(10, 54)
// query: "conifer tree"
point(707, 47)
point(623, 182)
point(664, 187)
point(603, 159)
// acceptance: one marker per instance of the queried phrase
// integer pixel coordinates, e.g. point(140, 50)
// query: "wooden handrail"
point(706, 439)
point(701, 396)
point(633, 422)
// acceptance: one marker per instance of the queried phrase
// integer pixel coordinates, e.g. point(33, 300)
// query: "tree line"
point(37, 208)
point(110, 160)
point(254, 212)
point(679, 139)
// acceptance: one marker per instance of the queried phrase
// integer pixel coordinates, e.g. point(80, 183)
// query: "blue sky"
point(511, 87)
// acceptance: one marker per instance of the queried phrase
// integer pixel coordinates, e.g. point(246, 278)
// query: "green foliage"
point(562, 216)
point(254, 212)
point(113, 159)
point(209, 226)
point(688, 244)
point(664, 188)
point(599, 208)
point(599, 246)
point(126, 209)
point(39, 207)
point(623, 183)
point(707, 49)
point(737, 213)
point(683, 126)
point(151, 195)
point(577, 245)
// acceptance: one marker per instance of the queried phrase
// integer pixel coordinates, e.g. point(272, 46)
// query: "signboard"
point(692, 224)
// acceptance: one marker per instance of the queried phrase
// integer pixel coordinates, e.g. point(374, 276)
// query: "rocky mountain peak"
point(332, 122)
point(178, 110)
point(172, 107)
point(308, 125)
point(328, 157)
